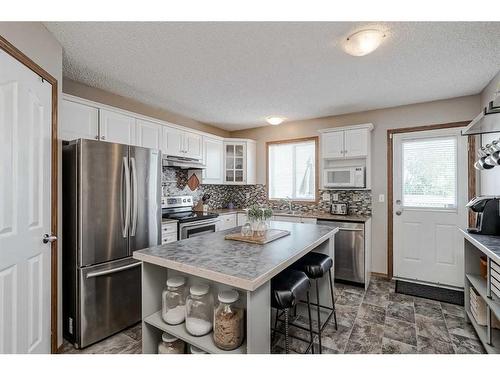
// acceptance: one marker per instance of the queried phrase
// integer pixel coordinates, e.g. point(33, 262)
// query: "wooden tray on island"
point(271, 235)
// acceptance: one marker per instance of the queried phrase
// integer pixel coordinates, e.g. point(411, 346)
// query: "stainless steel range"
point(191, 223)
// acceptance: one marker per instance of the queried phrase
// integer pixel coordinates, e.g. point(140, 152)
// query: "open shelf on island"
point(480, 285)
point(482, 333)
point(205, 343)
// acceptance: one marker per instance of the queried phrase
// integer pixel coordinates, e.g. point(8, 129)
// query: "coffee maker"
point(487, 211)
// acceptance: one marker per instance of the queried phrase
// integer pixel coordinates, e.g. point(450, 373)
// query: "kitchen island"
point(226, 264)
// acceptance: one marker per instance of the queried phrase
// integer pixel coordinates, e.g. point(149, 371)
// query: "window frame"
point(316, 167)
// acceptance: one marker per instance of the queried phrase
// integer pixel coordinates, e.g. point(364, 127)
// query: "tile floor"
point(376, 321)
point(125, 342)
point(382, 321)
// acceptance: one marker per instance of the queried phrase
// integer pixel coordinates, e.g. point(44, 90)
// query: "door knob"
point(398, 213)
point(49, 238)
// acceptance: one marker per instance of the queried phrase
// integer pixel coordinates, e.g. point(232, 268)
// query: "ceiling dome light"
point(363, 42)
point(274, 120)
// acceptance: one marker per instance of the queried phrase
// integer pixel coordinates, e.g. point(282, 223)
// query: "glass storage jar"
point(171, 345)
point(229, 321)
point(173, 300)
point(199, 310)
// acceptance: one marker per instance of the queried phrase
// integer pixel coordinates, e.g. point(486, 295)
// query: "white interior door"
point(430, 193)
point(25, 172)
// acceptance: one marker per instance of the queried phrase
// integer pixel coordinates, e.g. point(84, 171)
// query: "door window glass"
point(430, 173)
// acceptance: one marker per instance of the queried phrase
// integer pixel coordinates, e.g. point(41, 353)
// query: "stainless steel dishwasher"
point(349, 251)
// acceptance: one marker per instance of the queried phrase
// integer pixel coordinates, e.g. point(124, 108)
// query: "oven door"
point(338, 177)
point(197, 228)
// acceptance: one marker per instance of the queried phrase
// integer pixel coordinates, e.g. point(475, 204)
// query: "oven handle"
point(199, 223)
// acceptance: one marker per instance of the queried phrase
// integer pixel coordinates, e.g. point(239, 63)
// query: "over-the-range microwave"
point(344, 177)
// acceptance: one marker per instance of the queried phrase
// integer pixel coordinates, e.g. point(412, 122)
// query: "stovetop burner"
point(181, 208)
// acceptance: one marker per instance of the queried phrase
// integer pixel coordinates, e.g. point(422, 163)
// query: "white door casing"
point(426, 240)
point(25, 212)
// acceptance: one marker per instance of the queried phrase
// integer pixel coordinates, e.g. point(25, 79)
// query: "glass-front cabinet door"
point(234, 163)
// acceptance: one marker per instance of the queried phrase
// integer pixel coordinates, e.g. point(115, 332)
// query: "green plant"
point(256, 213)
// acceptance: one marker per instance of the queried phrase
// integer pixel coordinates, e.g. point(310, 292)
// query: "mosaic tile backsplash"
point(174, 182)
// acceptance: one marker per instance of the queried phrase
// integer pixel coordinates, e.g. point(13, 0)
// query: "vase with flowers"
point(259, 217)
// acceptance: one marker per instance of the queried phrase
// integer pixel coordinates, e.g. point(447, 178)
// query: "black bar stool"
point(315, 266)
point(286, 289)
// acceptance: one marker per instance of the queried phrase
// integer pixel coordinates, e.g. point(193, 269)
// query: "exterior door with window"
point(430, 194)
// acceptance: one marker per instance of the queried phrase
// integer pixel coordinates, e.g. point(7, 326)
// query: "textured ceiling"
point(233, 75)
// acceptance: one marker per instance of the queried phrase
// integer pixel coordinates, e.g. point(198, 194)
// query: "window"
point(292, 169)
point(430, 173)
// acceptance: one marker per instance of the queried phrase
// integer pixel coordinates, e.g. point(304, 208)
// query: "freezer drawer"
point(110, 299)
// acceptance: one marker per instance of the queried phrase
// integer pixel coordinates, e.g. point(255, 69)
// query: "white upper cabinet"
point(148, 134)
point(213, 160)
point(116, 127)
point(356, 143)
point(348, 143)
point(193, 145)
point(177, 142)
point(239, 162)
point(173, 141)
point(78, 121)
point(332, 145)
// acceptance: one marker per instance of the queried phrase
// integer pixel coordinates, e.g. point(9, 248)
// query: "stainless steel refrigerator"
point(111, 207)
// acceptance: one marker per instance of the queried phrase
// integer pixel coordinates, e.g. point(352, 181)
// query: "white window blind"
point(292, 170)
point(430, 173)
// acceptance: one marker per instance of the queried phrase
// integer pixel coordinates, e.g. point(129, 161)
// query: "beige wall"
point(443, 111)
point(35, 41)
point(489, 91)
point(91, 93)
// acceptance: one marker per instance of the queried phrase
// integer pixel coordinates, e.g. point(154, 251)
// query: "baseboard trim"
point(381, 275)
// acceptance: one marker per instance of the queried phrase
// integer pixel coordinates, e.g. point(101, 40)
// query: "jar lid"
point(176, 281)
point(165, 337)
point(199, 289)
point(228, 296)
point(195, 350)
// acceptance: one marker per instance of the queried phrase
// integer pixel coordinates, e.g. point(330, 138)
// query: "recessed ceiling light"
point(363, 42)
point(274, 120)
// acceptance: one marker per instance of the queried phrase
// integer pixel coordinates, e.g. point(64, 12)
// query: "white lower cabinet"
point(242, 219)
point(226, 221)
point(168, 233)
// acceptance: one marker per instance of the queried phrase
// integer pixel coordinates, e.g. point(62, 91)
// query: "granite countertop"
point(320, 215)
point(490, 245)
point(239, 264)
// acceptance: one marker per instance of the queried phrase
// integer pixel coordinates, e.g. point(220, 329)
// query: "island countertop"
point(239, 264)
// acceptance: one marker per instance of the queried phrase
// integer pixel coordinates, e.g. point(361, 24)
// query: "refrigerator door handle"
point(134, 197)
point(126, 220)
point(113, 270)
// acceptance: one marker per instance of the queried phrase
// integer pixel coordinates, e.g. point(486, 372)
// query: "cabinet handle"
point(96, 137)
point(102, 137)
